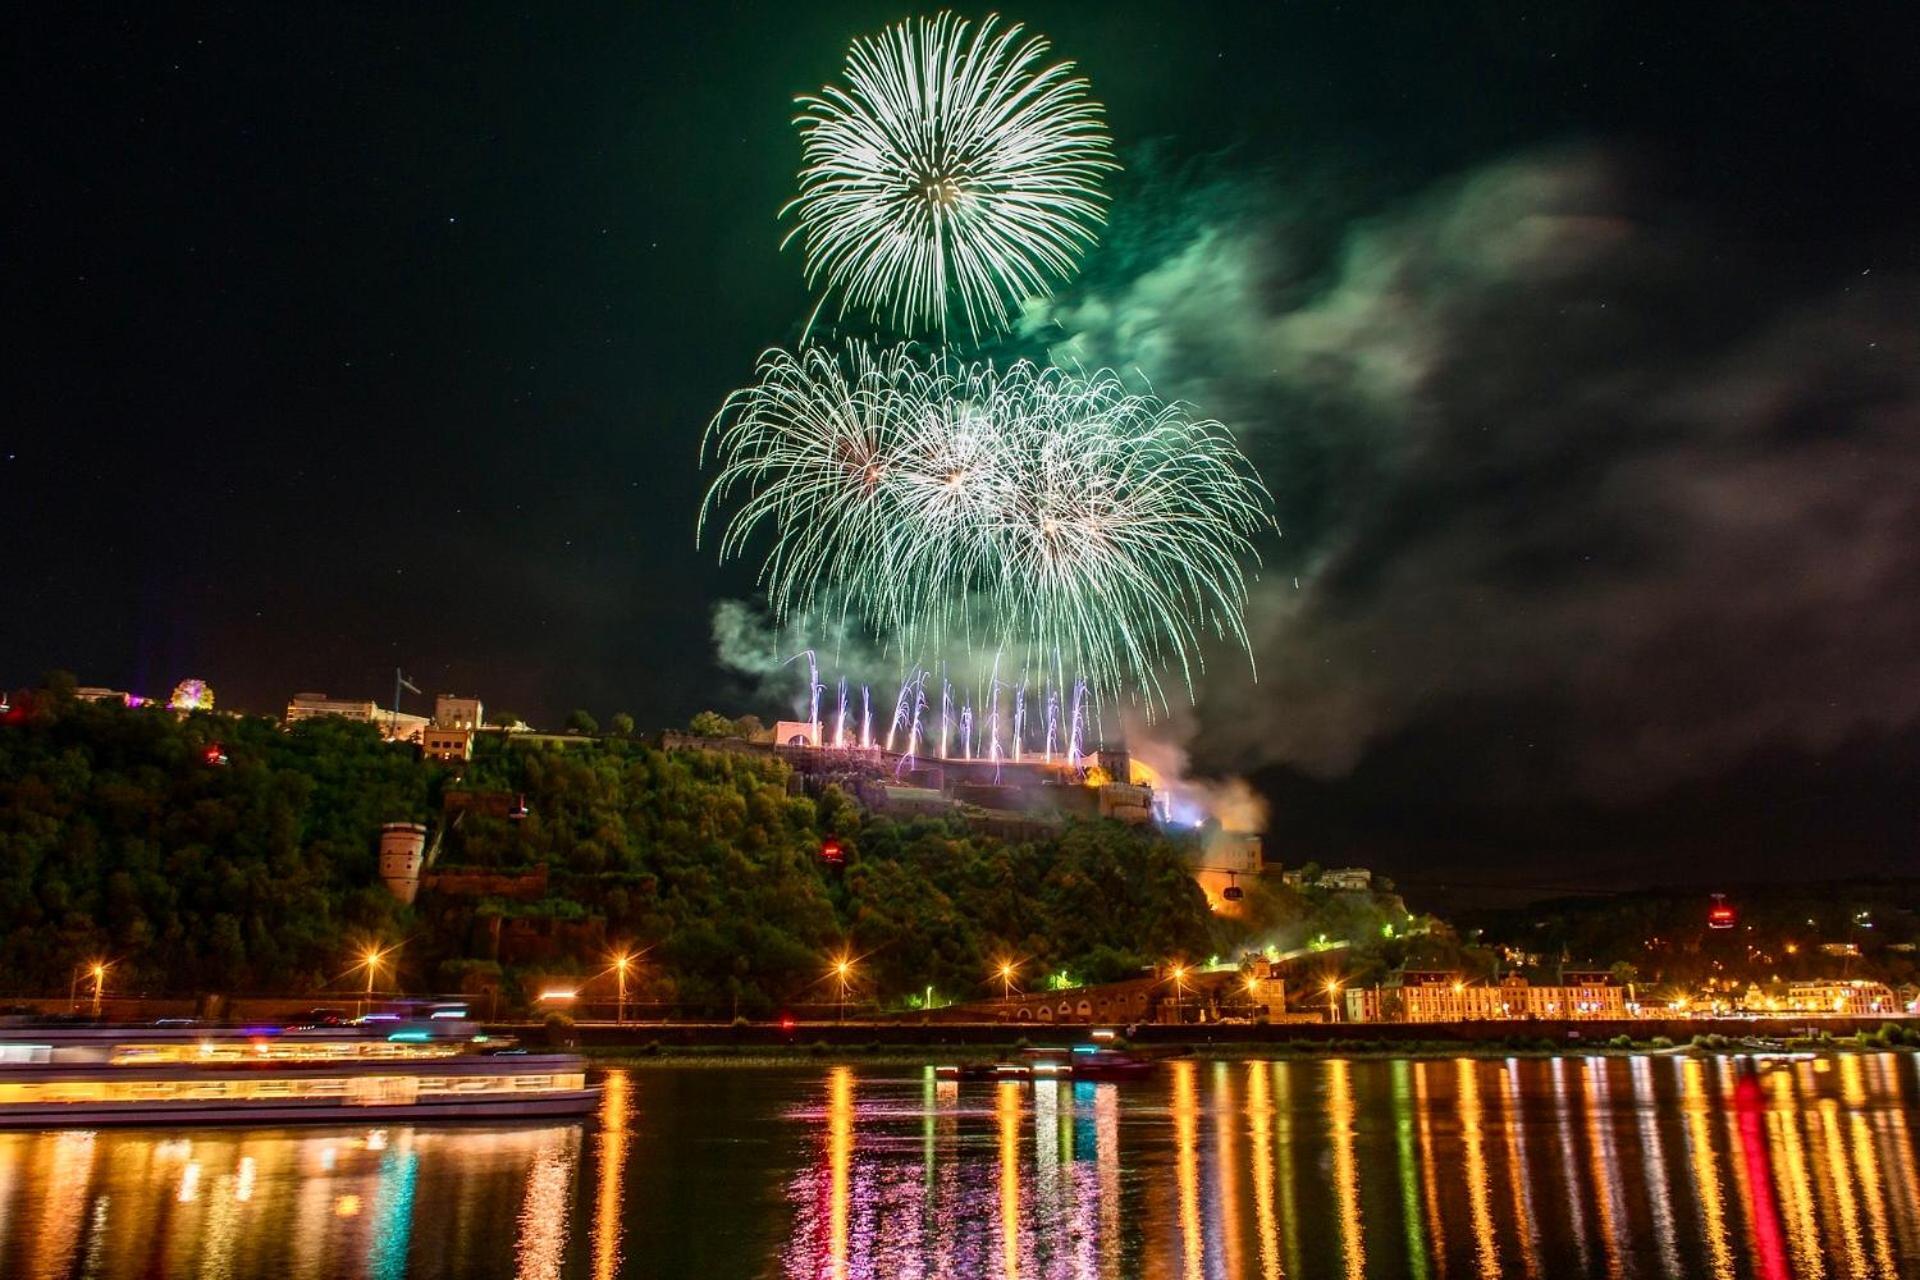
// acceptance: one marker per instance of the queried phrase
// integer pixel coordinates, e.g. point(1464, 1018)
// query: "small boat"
point(963, 1071)
point(377, 1069)
point(1097, 1062)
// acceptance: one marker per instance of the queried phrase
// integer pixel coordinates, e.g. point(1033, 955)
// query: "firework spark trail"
point(902, 708)
point(840, 717)
point(1019, 720)
point(1077, 724)
point(950, 166)
point(1024, 509)
point(866, 719)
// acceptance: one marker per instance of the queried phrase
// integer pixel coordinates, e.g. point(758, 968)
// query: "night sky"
point(1580, 346)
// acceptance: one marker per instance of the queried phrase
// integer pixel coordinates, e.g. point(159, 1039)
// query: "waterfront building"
point(1443, 996)
point(1856, 997)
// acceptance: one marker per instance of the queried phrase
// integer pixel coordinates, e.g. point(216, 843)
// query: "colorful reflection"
point(1684, 1166)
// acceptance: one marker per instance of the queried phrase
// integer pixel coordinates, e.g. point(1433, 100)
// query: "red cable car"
point(214, 754)
point(1233, 892)
point(831, 853)
point(1720, 915)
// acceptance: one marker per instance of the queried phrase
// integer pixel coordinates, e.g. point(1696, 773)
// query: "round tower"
point(402, 850)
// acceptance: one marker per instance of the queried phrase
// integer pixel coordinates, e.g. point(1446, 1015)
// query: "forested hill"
point(121, 838)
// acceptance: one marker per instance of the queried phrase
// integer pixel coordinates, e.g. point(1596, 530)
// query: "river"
point(1660, 1166)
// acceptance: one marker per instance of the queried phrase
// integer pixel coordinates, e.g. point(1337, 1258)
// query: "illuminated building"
point(1840, 996)
point(399, 727)
point(1439, 996)
point(402, 852)
point(1338, 879)
point(437, 743)
point(451, 712)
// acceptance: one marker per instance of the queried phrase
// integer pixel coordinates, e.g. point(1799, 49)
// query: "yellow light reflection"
point(1486, 1246)
point(1260, 1111)
point(546, 1208)
point(1429, 1188)
point(1836, 1188)
point(1654, 1152)
point(1186, 1130)
point(1106, 1148)
point(1694, 1104)
point(1283, 1137)
point(1346, 1170)
point(1601, 1164)
point(61, 1178)
point(1226, 1119)
point(1794, 1182)
point(1006, 1112)
point(613, 1164)
point(839, 1162)
point(1906, 1184)
point(1867, 1173)
point(1519, 1175)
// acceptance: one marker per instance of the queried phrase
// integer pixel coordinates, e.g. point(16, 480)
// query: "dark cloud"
point(1544, 441)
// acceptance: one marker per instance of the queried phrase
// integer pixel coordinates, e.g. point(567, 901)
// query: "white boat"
point(372, 1070)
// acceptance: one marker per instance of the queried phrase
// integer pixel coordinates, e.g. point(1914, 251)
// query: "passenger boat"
point(1099, 1062)
point(392, 1068)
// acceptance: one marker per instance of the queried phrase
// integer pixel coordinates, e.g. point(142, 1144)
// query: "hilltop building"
point(451, 712)
point(396, 728)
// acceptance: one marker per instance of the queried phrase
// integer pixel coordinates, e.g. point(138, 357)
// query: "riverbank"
point(882, 1054)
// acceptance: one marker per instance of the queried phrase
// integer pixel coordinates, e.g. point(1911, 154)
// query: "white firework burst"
point(951, 175)
point(1098, 530)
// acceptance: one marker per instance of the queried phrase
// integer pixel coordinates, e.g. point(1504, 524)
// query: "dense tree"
point(582, 722)
point(621, 726)
point(119, 839)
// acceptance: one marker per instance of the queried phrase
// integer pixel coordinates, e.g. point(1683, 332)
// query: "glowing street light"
point(1006, 971)
point(370, 960)
point(1333, 1009)
point(843, 971)
point(97, 971)
point(621, 963)
point(1179, 985)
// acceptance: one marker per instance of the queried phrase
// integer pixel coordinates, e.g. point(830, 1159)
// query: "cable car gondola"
point(1233, 892)
point(1720, 915)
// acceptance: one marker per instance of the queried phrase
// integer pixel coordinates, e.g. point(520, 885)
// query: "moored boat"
point(372, 1070)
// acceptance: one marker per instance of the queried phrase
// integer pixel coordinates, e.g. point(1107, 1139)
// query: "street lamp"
point(843, 970)
point(1007, 969)
point(621, 963)
point(371, 959)
point(1333, 1010)
point(1179, 984)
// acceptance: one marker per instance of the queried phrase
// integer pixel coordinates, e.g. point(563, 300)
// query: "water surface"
point(1604, 1166)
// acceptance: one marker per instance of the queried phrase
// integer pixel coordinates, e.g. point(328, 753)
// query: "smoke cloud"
point(1539, 439)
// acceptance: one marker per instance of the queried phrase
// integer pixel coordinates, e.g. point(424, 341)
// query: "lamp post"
point(99, 981)
point(1179, 984)
point(841, 969)
point(1333, 1010)
point(620, 964)
point(1007, 970)
point(371, 959)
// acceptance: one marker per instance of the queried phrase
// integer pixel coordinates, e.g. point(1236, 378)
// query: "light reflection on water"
point(1653, 1166)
